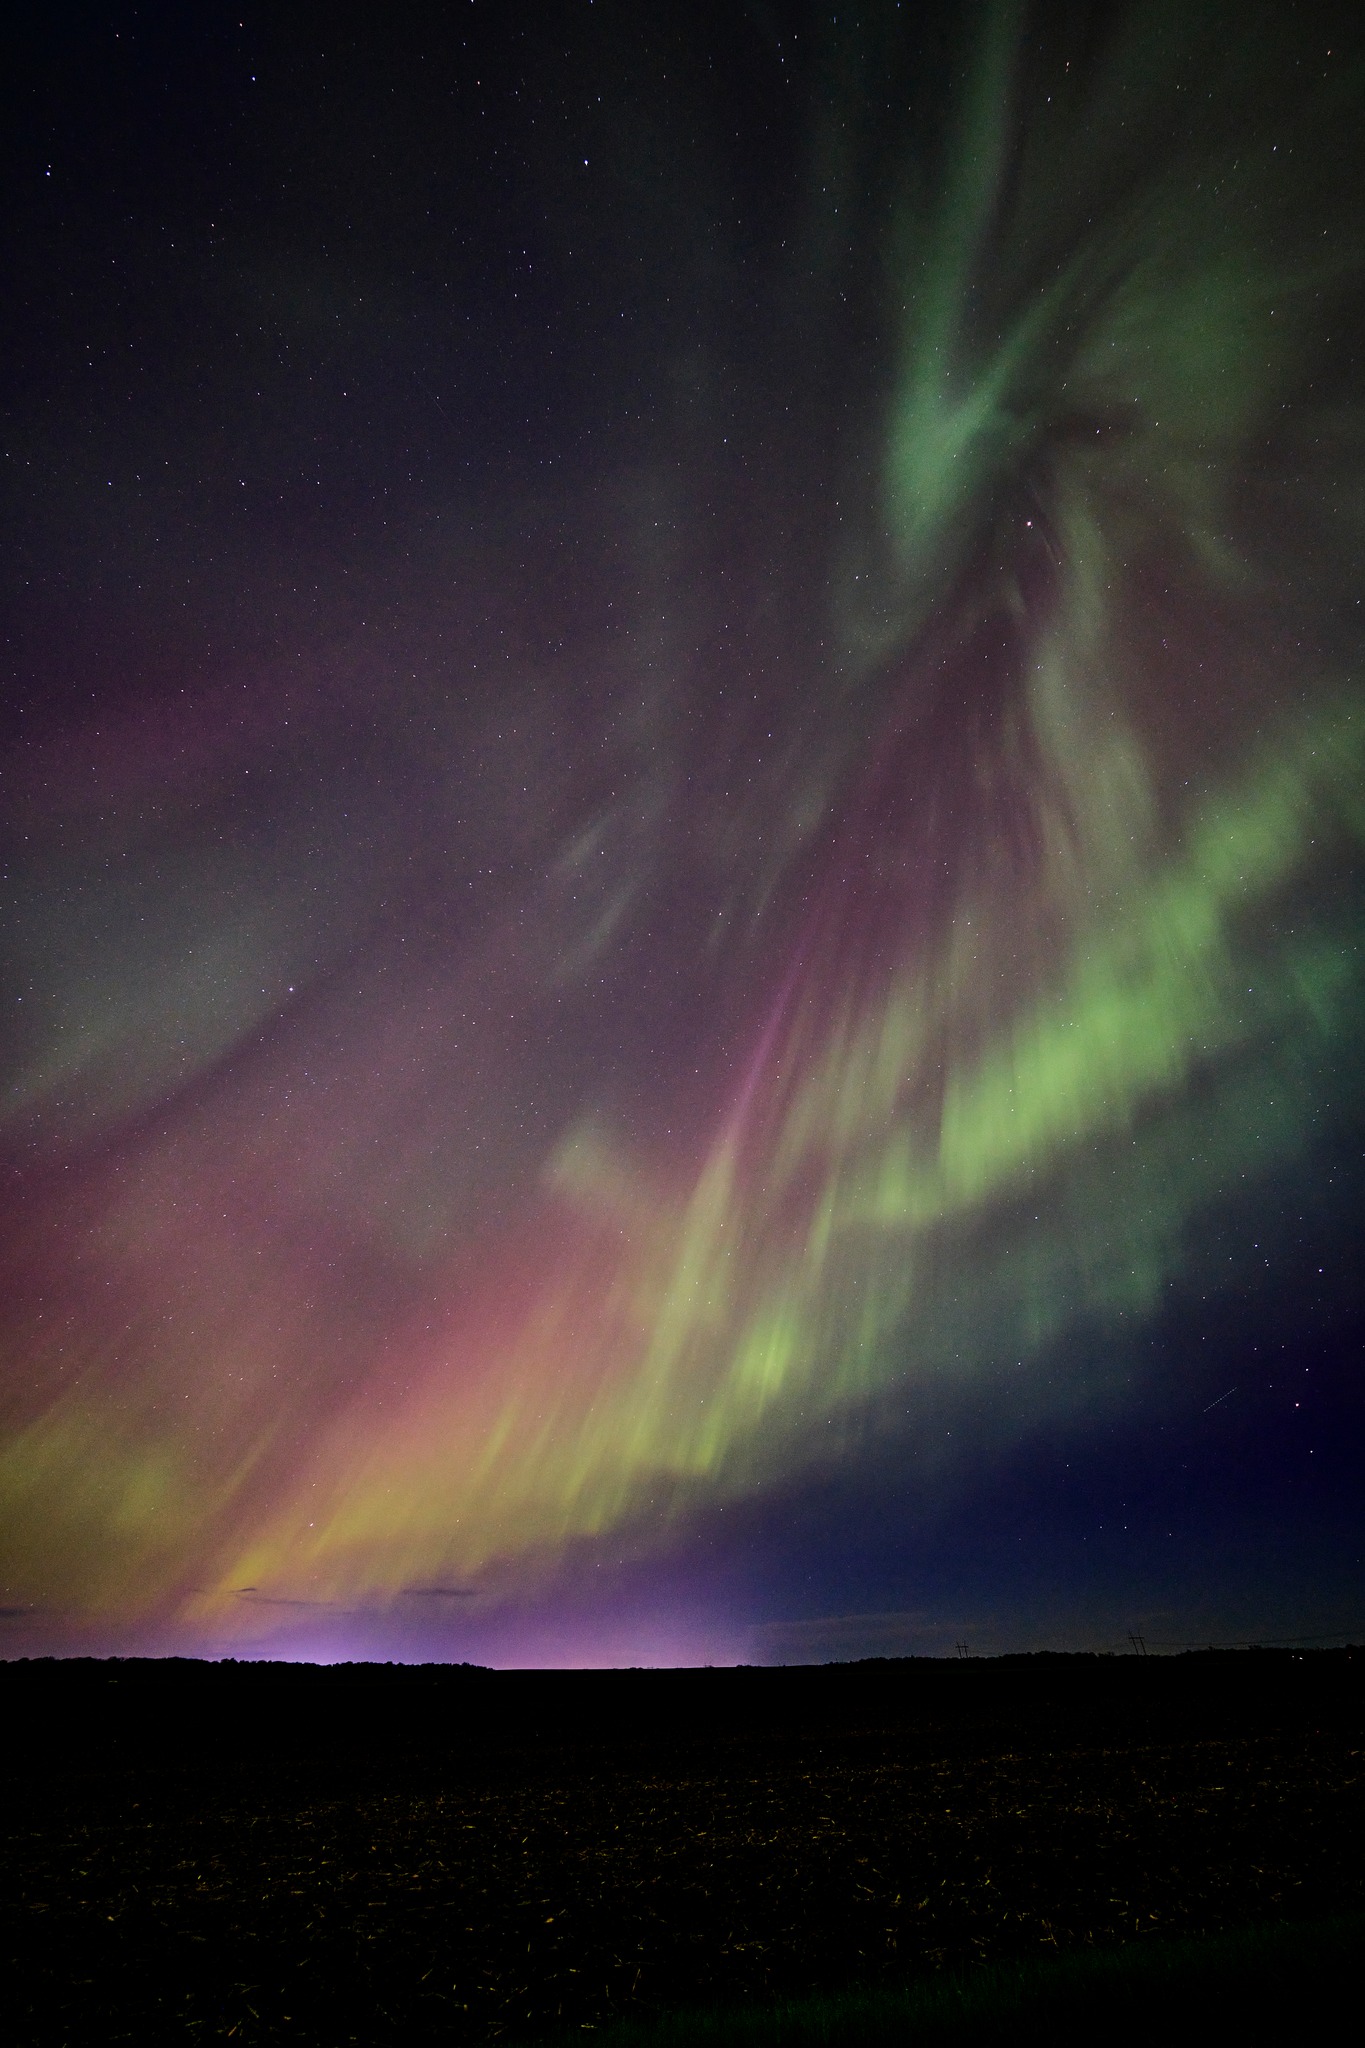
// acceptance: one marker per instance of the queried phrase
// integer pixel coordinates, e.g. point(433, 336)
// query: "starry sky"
point(682, 792)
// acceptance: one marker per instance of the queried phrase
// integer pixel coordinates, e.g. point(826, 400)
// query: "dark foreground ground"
point(376, 1855)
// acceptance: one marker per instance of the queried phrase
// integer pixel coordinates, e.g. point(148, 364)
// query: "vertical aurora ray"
point(1063, 952)
point(814, 1264)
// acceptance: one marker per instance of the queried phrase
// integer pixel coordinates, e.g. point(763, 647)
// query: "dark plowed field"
point(398, 1856)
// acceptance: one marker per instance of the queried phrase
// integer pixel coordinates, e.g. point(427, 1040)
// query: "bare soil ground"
point(372, 1858)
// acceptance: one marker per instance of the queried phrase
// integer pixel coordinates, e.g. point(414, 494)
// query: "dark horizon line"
point(1342, 1640)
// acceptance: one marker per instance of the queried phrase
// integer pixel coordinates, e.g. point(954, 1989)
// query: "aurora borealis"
point(684, 782)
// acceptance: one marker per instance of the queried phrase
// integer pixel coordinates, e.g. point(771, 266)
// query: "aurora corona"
point(697, 971)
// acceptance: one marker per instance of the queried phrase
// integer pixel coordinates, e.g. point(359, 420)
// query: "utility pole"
point(963, 1651)
point(1138, 1643)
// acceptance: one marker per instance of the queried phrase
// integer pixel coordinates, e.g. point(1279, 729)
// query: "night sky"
point(682, 795)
